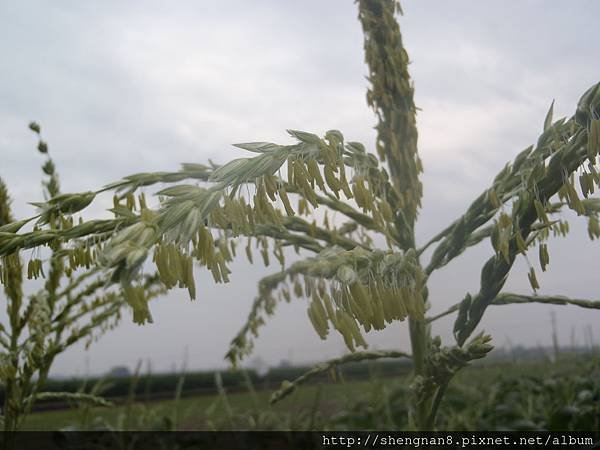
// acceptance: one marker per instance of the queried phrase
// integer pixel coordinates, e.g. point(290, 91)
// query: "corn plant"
point(74, 304)
point(363, 272)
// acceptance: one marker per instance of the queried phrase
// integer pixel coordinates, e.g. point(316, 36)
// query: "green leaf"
point(258, 147)
point(548, 119)
point(304, 136)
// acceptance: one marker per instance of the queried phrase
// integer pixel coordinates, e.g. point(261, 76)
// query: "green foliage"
point(288, 387)
point(532, 394)
point(564, 401)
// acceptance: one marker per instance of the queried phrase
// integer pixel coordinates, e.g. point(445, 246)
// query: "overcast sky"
point(124, 87)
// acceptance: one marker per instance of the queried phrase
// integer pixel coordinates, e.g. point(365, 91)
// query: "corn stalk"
point(72, 306)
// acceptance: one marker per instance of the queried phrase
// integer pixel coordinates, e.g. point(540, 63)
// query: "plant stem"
point(439, 395)
point(418, 342)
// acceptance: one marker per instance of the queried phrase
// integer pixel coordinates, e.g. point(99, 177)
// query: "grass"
point(534, 394)
point(203, 411)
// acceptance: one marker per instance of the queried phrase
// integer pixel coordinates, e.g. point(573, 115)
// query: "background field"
point(535, 393)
